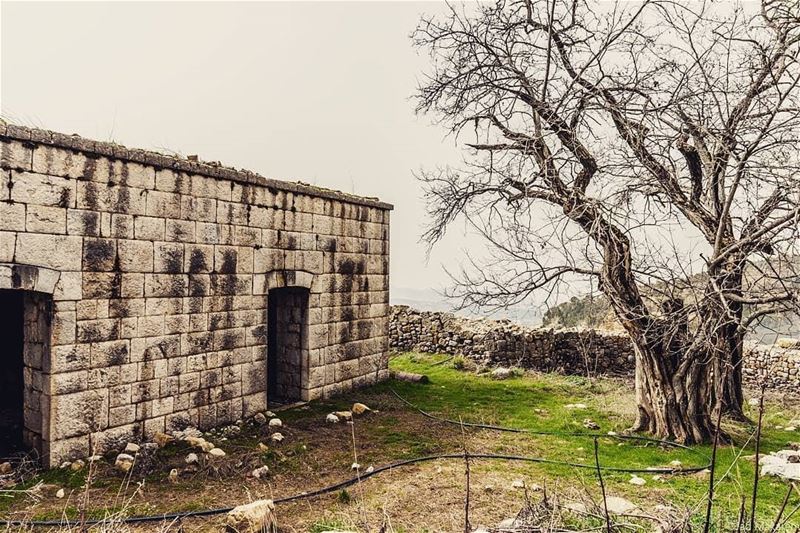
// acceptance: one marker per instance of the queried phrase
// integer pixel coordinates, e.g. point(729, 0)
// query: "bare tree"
point(651, 147)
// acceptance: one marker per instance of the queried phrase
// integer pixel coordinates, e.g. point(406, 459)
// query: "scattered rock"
point(260, 472)
point(332, 419)
point(518, 484)
point(275, 423)
point(192, 459)
point(277, 437)
point(124, 462)
point(588, 423)
point(254, 517)
point(501, 373)
point(60, 493)
point(636, 480)
point(370, 469)
point(784, 464)
point(186, 433)
point(269, 414)
point(173, 476)
point(576, 507)
point(162, 439)
point(65, 465)
point(617, 505)
point(409, 376)
point(576, 406)
point(6, 468)
point(77, 465)
point(753, 402)
point(146, 460)
point(344, 415)
point(260, 419)
point(508, 523)
point(675, 463)
point(216, 452)
point(355, 466)
point(199, 442)
point(95, 458)
point(360, 409)
point(131, 448)
point(263, 447)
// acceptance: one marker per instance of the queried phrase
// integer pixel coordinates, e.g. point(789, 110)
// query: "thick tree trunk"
point(672, 390)
point(673, 401)
point(724, 318)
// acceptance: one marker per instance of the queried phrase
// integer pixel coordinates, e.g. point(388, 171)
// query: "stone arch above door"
point(277, 279)
point(28, 278)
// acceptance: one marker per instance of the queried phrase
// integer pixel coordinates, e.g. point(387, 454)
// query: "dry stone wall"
point(585, 352)
point(158, 270)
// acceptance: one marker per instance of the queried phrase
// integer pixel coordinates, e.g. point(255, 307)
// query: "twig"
point(758, 452)
point(467, 526)
point(713, 468)
point(602, 485)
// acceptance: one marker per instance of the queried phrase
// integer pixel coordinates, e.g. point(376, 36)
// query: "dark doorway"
point(12, 342)
point(287, 344)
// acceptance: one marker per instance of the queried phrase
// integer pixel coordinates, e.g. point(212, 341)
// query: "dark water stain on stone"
point(98, 254)
point(173, 260)
point(228, 262)
point(197, 261)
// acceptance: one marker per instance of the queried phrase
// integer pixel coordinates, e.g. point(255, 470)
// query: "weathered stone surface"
point(500, 343)
point(159, 273)
point(254, 517)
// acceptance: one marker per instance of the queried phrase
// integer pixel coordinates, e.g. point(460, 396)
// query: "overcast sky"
point(315, 92)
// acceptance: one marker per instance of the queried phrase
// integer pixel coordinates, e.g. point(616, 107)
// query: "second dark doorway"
point(287, 329)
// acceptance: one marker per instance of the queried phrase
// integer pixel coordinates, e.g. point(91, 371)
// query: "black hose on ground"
point(168, 517)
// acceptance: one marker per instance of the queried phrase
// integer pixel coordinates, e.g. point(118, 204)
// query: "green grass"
point(538, 403)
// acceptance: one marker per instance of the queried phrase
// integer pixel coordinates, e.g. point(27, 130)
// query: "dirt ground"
point(423, 497)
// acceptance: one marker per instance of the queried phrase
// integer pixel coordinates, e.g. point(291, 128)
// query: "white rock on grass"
point(173, 476)
point(269, 414)
point(344, 415)
point(132, 448)
point(253, 517)
point(277, 437)
point(60, 493)
point(216, 452)
point(501, 373)
point(518, 484)
point(576, 406)
point(192, 459)
point(332, 419)
point(124, 462)
point(636, 480)
point(784, 464)
point(617, 505)
point(199, 442)
point(260, 419)
point(260, 472)
point(360, 409)
point(275, 423)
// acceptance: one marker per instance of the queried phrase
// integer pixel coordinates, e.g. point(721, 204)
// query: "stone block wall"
point(159, 271)
point(584, 352)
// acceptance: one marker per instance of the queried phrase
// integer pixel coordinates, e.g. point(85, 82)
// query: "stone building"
point(142, 293)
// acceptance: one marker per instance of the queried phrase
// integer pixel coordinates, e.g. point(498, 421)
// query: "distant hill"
point(430, 300)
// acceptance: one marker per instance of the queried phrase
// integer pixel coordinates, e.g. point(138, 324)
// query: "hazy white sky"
point(316, 92)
